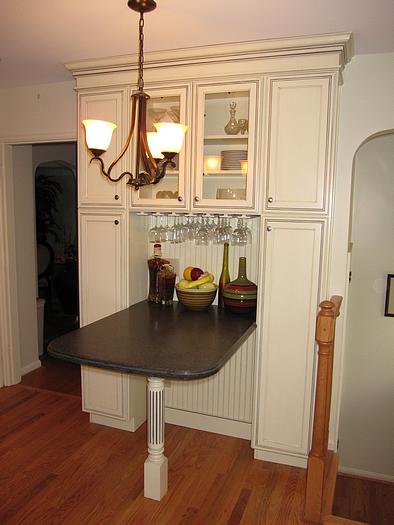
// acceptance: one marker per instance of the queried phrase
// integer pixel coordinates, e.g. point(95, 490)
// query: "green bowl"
point(194, 299)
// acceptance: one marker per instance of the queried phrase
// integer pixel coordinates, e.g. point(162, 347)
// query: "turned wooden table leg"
point(156, 464)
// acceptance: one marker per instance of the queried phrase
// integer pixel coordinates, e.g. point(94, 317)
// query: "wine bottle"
point(224, 276)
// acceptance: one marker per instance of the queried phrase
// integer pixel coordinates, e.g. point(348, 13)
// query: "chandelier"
point(155, 151)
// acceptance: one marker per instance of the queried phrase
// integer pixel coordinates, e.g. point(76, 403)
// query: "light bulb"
point(154, 146)
point(98, 135)
point(170, 136)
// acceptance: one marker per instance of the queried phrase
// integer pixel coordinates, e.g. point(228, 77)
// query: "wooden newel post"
point(318, 456)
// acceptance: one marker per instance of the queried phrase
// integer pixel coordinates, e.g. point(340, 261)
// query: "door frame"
point(10, 366)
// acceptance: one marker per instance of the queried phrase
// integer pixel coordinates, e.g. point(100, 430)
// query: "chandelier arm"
point(129, 137)
point(147, 158)
point(107, 173)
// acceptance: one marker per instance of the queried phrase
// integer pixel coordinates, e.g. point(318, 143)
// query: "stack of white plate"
point(231, 158)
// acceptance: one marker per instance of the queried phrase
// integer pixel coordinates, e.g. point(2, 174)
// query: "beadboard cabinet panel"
point(298, 143)
point(102, 275)
point(290, 299)
point(93, 188)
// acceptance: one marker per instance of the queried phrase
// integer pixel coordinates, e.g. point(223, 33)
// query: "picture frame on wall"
point(389, 306)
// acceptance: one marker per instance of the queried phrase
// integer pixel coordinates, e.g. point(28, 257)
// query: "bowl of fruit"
point(196, 291)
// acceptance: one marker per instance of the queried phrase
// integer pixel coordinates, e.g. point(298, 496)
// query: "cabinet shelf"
point(225, 173)
point(232, 139)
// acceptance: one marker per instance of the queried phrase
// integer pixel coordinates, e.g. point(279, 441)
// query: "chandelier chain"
point(141, 54)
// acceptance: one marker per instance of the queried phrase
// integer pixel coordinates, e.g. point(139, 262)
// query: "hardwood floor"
point(57, 468)
point(364, 500)
point(57, 376)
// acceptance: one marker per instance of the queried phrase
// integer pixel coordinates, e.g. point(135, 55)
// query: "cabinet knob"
point(180, 198)
point(116, 222)
point(196, 199)
point(116, 197)
point(269, 228)
point(270, 199)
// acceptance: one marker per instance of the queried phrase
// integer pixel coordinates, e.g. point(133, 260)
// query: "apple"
point(196, 273)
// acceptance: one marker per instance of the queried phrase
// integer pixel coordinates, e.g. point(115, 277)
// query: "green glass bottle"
point(224, 276)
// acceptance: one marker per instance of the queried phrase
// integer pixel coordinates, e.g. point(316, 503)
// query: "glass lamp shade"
point(154, 146)
point(98, 135)
point(170, 136)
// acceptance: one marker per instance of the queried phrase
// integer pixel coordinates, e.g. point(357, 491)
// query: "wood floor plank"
point(58, 469)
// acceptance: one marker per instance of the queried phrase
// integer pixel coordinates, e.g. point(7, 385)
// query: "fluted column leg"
point(156, 464)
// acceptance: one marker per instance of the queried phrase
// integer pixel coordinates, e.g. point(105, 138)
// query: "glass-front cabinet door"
point(167, 105)
point(225, 146)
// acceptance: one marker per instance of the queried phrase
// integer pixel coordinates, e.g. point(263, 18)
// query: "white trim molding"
point(341, 43)
point(29, 368)
point(9, 321)
point(365, 474)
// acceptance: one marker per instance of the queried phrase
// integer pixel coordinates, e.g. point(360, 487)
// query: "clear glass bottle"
point(154, 264)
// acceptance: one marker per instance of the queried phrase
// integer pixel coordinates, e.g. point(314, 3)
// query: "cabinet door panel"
point(102, 265)
point(104, 392)
point(290, 298)
point(168, 105)
point(298, 143)
point(93, 187)
point(225, 140)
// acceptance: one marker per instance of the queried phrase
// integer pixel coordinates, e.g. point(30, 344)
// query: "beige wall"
point(366, 431)
point(41, 113)
point(366, 109)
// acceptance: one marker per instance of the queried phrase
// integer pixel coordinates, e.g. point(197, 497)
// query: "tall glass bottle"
point(224, 276)
point(154, 264)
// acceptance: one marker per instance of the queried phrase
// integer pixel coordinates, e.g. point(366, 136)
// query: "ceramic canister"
point(240, 296)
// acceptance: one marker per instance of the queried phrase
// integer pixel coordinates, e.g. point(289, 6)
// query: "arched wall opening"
point(366, 428)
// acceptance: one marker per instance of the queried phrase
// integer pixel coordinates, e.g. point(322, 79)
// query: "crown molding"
point(338, 43)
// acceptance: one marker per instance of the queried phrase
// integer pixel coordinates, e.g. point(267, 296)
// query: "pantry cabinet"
point(261, 141)
point(291, 280)
point(299, 133)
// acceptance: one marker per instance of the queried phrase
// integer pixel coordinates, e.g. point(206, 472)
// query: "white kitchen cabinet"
point(103, 264)
point(170, 104)
point(291, 277)
point(114, 399)
point(298, 153)
point(225, 137)
point(287, 90)
point(93, 188)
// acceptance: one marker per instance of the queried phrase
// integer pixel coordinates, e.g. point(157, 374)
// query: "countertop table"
point(158, 342)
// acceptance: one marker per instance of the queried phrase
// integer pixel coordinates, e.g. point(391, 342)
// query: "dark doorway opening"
point(57, 240)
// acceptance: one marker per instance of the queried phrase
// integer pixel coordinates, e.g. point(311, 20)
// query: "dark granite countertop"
point(155, 340)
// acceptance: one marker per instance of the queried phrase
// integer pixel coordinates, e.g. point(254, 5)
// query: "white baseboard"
point(217, 425)
point(365, 474)
point(29, 368)
point(281, 457)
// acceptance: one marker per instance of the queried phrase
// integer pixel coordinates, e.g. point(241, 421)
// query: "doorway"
point(57, 243)
point(366, 430)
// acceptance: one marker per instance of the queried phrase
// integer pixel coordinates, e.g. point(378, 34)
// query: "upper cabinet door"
point(93, 188)
point(298, 144)
point(225, 138)
point(168, 105)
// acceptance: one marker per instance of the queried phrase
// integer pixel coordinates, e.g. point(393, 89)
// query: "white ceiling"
point(38, 36)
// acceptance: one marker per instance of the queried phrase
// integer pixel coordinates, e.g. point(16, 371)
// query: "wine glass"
point(154, 234)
